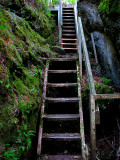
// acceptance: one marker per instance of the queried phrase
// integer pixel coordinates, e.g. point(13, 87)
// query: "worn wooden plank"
point(62, 71)
point(56, 100)
point(95, 53)
point(62, 136)
point(69, 39)
point(92, 127)
point(87, 62)
point(107, 96)
point(61, 117)
point(73, 44)
point(61, 59)
point(83, 145)
point(70, 48)
point(42, 111)
point(61, 84)
point(61, 157)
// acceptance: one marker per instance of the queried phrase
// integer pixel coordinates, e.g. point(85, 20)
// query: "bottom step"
point(61, 157)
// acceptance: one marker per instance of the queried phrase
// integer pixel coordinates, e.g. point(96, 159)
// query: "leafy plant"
point(109, 6)
point(106, 80)
point(11, 155)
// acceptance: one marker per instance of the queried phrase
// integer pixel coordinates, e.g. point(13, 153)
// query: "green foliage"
point(103, 89)
point(68, 1)
point(22, 43)
point(106, 80)
point(55, 2)
point(109, 6)
point(11, 155)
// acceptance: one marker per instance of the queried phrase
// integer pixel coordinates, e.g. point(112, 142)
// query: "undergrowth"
point(21, 65)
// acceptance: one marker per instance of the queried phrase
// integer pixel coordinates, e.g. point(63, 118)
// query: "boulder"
point(90, 16)
point(58, 49)
point(107, 57)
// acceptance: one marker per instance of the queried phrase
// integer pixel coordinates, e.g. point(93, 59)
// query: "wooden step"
point(68, 44)
point(68, 8)
point(64, 14)
point(68, 11)
point(61, 157)
point(65, 39)
point(69, 31)
point(62, 71)
point(63, 117)
point(56, 100)
point(60, 59)
point(68, 17)
point(62, 136)
point(70, 27)
point(68, 20)
point(61, 84)
point(70, 48)
point(69, 34)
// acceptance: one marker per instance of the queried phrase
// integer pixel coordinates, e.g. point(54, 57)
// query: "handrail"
point(83, 145)
point(87, 62)
point(60, 22)
point(92, 91)
point(78, 37)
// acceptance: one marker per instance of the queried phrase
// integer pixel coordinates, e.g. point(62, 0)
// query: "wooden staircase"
point(69, 41)
point(61, 132)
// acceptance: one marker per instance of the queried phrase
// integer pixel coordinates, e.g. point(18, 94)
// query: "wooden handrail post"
point(60, 22)
point(87, 62)
point(93, 43)
point(92, 128)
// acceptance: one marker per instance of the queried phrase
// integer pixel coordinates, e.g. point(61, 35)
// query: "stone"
point(107, 57)
point(90, 16)
point(58, 49)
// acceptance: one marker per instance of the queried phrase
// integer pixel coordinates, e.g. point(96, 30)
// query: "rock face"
point(112, 29)
point(90, 16)
point(107, 57)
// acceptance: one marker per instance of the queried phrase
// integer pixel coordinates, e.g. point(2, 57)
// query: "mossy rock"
point(58, 49)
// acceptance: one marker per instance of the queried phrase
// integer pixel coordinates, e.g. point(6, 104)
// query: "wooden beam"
point(107, 96)
point(42, 112)
point(62, 84)
point(83, 145)
point(94, 49)
point(87, 62)
point(92, 128)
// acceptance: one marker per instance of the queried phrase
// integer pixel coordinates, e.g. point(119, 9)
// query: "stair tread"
point(68, 20)
point(65, 136)
point(69, 44)
point(68, 26)
point(62, 116)
point(67, 16)
point(68, 30)
point(71, 48)
point(61, 59)
point(62, 71)
point(75, 99)
point(68, 39)
point(61, 84)
point(61, 157)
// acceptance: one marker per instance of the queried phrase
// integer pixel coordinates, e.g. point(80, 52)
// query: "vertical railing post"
point(92, 128)
point(60, 22)
point(95, 53)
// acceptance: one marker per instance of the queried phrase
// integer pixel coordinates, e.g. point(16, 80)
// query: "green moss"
point(21, 49)
point(109, 6)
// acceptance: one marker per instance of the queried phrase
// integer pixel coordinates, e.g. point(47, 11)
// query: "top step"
point(68, 8)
